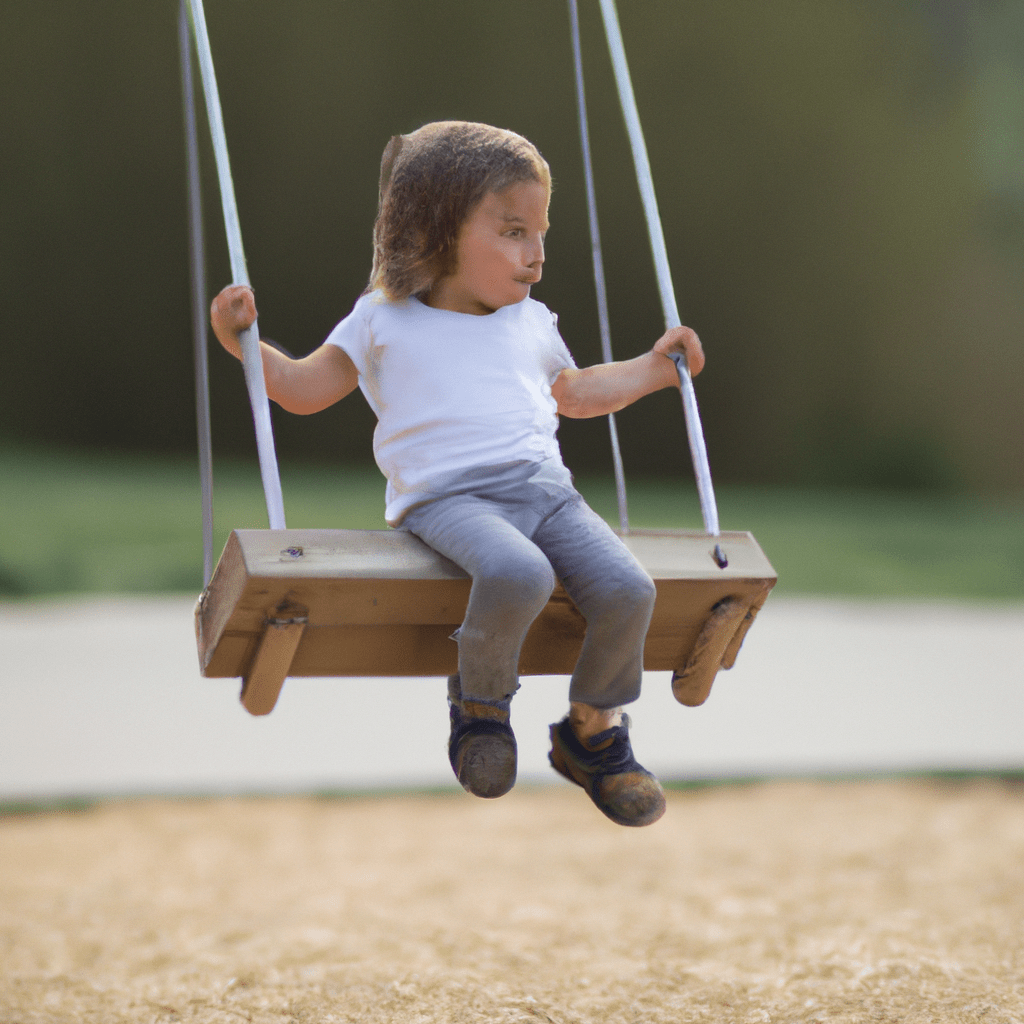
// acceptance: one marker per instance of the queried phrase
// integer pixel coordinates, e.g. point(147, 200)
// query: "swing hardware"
point(262, 682)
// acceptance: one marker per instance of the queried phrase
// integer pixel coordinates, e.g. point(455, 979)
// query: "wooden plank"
point(383, 603)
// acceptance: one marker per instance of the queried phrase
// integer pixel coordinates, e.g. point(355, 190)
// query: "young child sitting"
point(467, 376)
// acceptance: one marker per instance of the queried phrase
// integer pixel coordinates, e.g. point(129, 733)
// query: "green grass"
point(123, 524)
point(859, 543)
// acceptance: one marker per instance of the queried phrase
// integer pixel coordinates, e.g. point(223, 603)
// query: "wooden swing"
point(382, 603)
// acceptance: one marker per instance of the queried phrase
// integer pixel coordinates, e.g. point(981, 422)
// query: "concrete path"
point(103, 696)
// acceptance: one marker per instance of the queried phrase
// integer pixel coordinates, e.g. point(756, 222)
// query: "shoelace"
point(615, 758)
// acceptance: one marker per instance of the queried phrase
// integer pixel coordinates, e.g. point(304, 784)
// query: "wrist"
point(667, 369)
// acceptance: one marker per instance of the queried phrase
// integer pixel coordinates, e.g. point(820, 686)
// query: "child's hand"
point(231, 312)
point(684, 340)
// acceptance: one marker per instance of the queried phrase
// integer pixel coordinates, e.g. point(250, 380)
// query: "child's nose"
point(535, 256)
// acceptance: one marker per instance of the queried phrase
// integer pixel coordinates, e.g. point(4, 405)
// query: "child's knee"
point(646, 591)
point(626, 598)
point(640, 593)
point(530, 581)
point(516, 583)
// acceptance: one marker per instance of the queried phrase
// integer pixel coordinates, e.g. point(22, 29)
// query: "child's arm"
point(303, 386)
point(608, 387)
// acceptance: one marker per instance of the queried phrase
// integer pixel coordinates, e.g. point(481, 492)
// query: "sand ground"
point(783, 901)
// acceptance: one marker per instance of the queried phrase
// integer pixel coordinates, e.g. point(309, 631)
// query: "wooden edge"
point(692, 683)
point(729, 657)
point(218, 600)
point(351, 554)
point(261, 684)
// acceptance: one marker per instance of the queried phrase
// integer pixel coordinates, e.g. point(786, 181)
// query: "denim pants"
point(514, 542)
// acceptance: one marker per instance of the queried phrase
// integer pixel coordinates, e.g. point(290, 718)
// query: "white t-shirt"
point(452, 391)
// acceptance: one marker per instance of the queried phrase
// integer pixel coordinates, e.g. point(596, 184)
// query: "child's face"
point(500, 252)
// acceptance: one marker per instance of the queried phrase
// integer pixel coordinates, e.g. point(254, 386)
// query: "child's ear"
point(387, 161)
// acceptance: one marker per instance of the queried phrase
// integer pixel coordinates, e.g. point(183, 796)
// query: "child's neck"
point(450, 299)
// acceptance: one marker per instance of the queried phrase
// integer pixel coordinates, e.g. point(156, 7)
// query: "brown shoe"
point(605, 767)
point(481, 746)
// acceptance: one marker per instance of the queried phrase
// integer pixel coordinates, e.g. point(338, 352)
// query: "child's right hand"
point(231, 312)
point(303, 385)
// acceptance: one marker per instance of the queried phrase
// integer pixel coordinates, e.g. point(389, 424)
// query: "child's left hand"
point(684, 340)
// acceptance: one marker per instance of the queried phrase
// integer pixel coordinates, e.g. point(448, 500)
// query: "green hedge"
point(80, 523)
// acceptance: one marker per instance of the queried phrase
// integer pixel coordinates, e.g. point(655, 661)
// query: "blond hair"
point(430, 182)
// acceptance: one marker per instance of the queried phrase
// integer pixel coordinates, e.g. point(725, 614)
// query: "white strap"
point(252, 361)
point(698, 451)
point(595, 248)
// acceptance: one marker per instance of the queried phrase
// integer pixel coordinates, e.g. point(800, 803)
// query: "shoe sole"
point(487, 765)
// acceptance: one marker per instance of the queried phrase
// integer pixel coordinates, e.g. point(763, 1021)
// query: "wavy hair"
point(430, 182)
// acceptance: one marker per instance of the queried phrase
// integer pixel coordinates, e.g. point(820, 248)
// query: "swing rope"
point(595, 248)
point(695, 433)
point(197, 269)
point(252, 361)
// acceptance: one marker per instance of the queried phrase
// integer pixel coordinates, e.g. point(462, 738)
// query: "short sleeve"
point(352, 335)
point(559, 356)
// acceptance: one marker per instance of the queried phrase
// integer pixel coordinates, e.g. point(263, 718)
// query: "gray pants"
point(514, 542)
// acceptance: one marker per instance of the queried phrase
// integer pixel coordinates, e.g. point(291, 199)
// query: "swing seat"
point(382, 603)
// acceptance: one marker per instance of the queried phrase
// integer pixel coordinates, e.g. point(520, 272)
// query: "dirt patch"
point(869, 901)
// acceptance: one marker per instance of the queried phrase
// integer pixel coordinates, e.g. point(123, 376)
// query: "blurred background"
point(841, 183)
point(842, 190)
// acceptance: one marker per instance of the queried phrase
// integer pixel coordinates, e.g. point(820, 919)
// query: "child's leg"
point(614, 593)
point(512, 581)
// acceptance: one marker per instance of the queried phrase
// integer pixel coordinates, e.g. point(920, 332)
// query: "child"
point(467, 375)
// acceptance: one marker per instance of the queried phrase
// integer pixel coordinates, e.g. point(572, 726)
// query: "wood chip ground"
point(785, 901)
